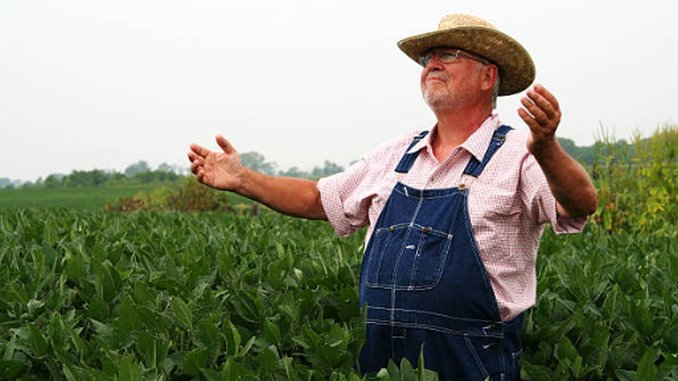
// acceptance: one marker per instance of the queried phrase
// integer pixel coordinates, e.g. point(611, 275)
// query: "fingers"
point(534, 110)
point(528, 119)
point(201, 176)
point(542, 106)
point(224, 144)
point(196, 166)
point(192, 156)
point(538, 106)
point(550, 98)
point(199, 150)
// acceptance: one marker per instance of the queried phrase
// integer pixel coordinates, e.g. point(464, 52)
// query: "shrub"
point(637, 184)
point(189, 196)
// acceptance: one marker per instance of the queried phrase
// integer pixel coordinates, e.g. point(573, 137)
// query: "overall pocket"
point(407, 257)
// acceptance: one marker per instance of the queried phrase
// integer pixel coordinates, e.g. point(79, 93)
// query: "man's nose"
point(435, 63)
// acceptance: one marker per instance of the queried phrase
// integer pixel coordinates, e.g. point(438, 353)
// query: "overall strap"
point(408, 159)
point(475, 167)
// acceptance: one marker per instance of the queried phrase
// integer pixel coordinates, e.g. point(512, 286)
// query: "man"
point(455, 213)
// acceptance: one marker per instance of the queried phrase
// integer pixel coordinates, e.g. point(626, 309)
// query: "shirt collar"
point(476, 144)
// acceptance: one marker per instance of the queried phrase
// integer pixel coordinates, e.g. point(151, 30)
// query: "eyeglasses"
point(448, 56)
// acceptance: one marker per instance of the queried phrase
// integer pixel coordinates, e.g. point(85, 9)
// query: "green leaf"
point(153, 350)
point(233, 339)
point(271, 332)
point(625, 375)
point(211, 375)
point(210, 337)
point(182, 312)
point(98, 308)
point(195, 361)
point(268, 358)
point(642, 318)
point(288, 364)
point(231, 370)
point(129, 319)
point(12, 369)
point(647, 371)
point(248, 346)
point(129, 369)
point(75, 267)
point(34, 305)
point(393, 369)
point(531, 372)
point(407, 372)
point(39, 344)
point(565, 350)
point(144, 295)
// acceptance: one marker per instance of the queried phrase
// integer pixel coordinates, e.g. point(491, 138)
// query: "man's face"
point(450, 78)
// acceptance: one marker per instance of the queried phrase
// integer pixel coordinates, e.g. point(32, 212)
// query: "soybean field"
point(94, 295)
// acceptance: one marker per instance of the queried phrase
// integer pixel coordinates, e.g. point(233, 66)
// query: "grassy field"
point(79, 198)
point(91, 198)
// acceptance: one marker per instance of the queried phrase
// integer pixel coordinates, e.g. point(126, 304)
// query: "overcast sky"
point(88, 84)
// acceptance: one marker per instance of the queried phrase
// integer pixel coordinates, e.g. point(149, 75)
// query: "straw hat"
point(482, 38)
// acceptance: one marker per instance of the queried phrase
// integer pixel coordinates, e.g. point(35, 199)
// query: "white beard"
point(438, 98)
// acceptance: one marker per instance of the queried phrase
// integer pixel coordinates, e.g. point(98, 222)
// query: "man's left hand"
point(542, 114)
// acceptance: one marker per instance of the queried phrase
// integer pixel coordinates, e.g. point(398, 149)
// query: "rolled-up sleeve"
point(537, 197)
point(345, 208)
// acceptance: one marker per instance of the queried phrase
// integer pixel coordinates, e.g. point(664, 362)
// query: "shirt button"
point(433, 179)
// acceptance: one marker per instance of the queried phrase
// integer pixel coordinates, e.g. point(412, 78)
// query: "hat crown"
point(459, 20)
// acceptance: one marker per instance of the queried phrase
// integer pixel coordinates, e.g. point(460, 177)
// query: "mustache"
point(436, 75)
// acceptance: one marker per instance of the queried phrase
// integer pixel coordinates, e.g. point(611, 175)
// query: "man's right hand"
point(223, 170)
point(220, 170)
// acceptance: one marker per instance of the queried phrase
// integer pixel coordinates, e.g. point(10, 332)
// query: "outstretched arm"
point(567, 179)
point(223, 170)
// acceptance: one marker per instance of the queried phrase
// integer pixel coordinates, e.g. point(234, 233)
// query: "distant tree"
point(4, 182)
point(257, 162)
point(138, 167)
point(92, 178)
point(294, 172)
point(155, 176)
point(54, 180)
point(568, 144)
point(585, 155)
point(117, 178)
point(329, 168)
point(164, 167)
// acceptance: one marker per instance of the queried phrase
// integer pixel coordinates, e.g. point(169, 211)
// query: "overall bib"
point(425, 287)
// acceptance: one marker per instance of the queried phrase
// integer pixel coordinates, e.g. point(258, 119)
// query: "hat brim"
point(515, 63)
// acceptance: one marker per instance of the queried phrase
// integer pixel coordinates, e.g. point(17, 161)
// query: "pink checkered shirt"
point(509, 203)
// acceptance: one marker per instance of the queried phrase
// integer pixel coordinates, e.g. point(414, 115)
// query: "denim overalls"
point(425, 286)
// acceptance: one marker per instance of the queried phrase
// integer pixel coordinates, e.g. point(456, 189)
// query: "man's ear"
point(490, 75)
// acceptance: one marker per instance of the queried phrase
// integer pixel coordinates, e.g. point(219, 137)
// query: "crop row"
point(180, 296)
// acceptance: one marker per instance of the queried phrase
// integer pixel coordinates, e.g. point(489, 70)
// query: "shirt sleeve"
point(346, 210)
point(541, 203)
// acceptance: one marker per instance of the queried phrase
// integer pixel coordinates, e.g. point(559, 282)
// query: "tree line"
point(142, 173)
